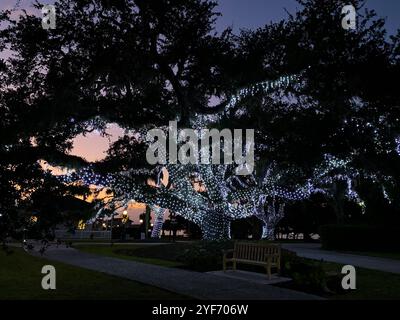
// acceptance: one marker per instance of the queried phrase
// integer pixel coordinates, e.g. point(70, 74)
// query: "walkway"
point(193, 284)
point(314, 251)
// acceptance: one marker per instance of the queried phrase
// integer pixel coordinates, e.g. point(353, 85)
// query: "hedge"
point(363, 238)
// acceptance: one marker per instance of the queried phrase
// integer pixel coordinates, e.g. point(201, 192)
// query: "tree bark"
point(158, 223)
point(215, 226)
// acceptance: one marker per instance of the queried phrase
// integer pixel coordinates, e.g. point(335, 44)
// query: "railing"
point(82, 234)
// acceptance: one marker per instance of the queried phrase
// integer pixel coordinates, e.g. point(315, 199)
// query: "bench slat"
point(255, 252)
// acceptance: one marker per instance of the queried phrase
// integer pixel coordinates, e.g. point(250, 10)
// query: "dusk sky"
point(256, 13)
point(236, 14)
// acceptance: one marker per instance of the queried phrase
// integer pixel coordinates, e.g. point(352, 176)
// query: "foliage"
point(345, 104)
point(306, 274)
point(205, 255)
point(135, 63)
point(142, 63)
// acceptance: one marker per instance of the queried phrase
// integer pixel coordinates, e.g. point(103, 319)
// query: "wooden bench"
point(260, 254)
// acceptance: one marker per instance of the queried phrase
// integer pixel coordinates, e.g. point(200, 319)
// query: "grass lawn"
point(20, 278)
point(128, 252)
point(370, 284)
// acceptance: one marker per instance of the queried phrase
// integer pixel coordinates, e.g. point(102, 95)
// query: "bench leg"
point(269, 271)
point(224, 265)
point(234, 265)
point(279, 266)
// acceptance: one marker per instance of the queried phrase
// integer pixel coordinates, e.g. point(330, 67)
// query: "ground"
point(128, 252)
point(20, 278)
point(371, 284)
point(197, 285)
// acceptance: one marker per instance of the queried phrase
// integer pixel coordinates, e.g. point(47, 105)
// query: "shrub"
point(205, 255)
point(362, 238)
point(306, 274)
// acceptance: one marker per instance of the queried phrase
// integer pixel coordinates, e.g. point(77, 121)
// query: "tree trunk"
point(147, 221)
point(215, 226)
point(270, 219)
point(158, 222)
point(157, 226)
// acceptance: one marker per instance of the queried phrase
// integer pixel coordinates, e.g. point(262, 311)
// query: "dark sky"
point(256, 13)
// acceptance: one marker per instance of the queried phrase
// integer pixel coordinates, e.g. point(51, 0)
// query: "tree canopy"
point(141, 63)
